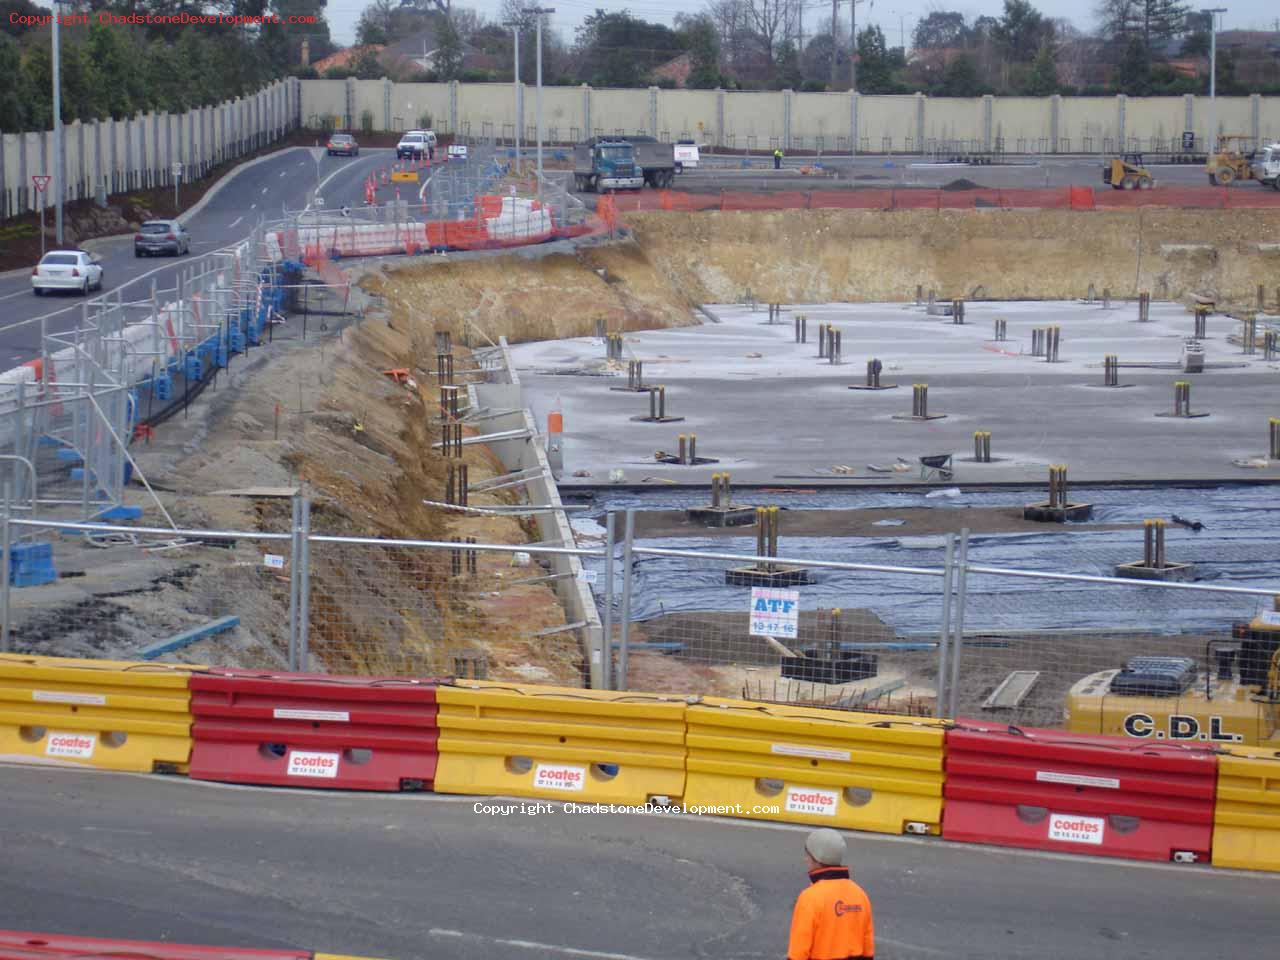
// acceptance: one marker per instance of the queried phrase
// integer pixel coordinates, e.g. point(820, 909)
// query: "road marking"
point(264, 190)
point(533, 945)
point(253, 206)
point(19, 293)
point(283, 174)
point(321, 185)
point(232, 225)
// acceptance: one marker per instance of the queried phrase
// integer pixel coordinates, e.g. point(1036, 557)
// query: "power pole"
point(59, 167)
point(515, 26)
point(853, 47)
point(1212, 14)
point(834, 49)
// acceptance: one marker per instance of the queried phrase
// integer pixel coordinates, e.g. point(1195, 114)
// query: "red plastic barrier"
point(1077, 793)
point(26, 944)
point(313, 730)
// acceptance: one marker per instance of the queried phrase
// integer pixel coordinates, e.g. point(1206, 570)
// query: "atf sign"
point(775, 613)
point(1069, 828)
point(1178, 727)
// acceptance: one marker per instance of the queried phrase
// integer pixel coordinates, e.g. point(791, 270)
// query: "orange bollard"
point(555, 423)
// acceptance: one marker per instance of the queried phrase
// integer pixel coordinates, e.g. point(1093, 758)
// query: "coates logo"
point(559, 778)
point(1072, 829)
point(812, 800)
point(77, 745)
point(305, 764)
point(842, 908)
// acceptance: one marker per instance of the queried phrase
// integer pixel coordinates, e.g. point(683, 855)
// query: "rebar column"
point(957, 311)
point(444, 368)
point(449, 402)
point(1110, 370)
point(799, 320)
point(1053, 337)
point(1106, 298)
point(715, 490)
point(471, 558)
point(1250, 335)
point(1270, 345)
point(455, 556)
point(982, 446)
point(442, 342)
point(919, 294)
point(774, 514)
point(933, 300)
point(601, 331)
point(1002, 329)
point(653, 403)
point(762, 531)
point(1091, 295)
point(693, 448)
point(1202, 319)
point(1274, 425)
point(1182, 398)
point(833, 351)
point(1058, 485)
point(1144, 307)
point(1262, 299)
point(1037, 335)
point(822, 341)
point(873, 373)
point(920, 400)
point(684, 449)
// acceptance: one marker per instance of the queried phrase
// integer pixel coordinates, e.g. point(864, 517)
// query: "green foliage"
point(1043, 79)
point(1133, 75)
point(12, 108)
point(1020, 31)
point(960, 79)
point(619, 50)
point(874, 65)
point(702, 43)
point(788, 66)
point(448, 53)
point(941, 28)
point(366, 66)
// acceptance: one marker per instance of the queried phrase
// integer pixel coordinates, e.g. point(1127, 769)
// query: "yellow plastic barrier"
point(95, 713)
point(587, 746)
point(859, 771)
point(1246, 817)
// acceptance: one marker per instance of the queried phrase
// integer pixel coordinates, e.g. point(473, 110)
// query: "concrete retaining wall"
point(761, 120)
point(505, 394)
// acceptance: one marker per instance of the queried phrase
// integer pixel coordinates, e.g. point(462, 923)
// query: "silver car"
point(161, 236)
point(66, 270)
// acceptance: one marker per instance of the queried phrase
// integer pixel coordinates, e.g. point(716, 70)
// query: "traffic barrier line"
point(314, 730)
point(1078, 793)
point(1246, 817)
point(858, 771)
point(54, 946)
point(114, 714)
point(560, 742)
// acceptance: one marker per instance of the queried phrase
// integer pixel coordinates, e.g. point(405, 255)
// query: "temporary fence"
point(920, 198)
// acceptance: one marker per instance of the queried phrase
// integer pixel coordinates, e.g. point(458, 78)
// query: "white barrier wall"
point(760, 119)
point(138, 153)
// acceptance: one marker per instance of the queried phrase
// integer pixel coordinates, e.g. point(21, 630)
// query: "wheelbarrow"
point(938, 465)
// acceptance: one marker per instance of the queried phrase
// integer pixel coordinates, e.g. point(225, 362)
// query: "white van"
point(686, 155)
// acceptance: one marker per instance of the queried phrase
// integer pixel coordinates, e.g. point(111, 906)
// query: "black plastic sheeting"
point(1238, 546)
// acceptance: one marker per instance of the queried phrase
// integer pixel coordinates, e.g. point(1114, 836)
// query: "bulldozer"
point(1231, 699)
point(1231, 161)
point(1127, 173)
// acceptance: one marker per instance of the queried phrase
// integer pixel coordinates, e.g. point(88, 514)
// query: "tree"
point(1043, 79)
point(448, 55)
point(703, 46)
point(374, 25)
point(1196, 44)
point(941, 28)
point(19, 8)
point(1133, 76)
point(1020, 31)
point(789, 75)
point(874, 70)
point(12, 109)
point(772, 22)
point(619, 50)
point(961, 78)
point(365, 65)
point(1154, 22)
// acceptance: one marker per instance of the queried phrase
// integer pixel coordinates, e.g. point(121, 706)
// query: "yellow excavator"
point(1127, 173)
point(1231, 161)
point(1232, 699)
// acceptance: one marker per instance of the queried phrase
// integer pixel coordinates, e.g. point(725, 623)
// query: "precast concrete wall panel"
point(323, 98)
point(892, 117)
point(1025, 120)
point(952, 119)
point(825, 115)
point(1090, 122)
point(1161, 119)
point(1269, 119)
point(561, 111)
point(611, 110)
point(409, 101)
point(687, 113)
point(370, 96)
point(1234, 116)
point(752, 115)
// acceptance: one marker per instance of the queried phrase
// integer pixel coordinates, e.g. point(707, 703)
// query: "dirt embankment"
point(800, 256)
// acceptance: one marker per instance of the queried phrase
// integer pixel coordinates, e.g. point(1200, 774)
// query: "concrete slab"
point(773, 412)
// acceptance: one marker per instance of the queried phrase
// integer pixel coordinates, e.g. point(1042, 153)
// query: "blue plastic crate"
point(31, 564)
point(163, 386)
point(194, 368)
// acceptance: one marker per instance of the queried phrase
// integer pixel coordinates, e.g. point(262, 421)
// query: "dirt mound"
point(961, 184)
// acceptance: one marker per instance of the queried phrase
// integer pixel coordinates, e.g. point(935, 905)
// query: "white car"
point(66, 270)
point(686, 155)
point(458, 151)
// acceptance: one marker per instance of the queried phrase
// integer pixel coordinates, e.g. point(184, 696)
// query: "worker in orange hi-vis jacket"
point(832, 918)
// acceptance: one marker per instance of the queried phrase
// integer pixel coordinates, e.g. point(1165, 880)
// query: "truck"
point(618, 163)
point(1266, 166)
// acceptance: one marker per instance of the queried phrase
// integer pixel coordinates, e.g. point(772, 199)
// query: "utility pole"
point(539, 12)
point(515, 26)
point(834, 4)
point(1212, 14)
point(853, 49)
point(59, 168)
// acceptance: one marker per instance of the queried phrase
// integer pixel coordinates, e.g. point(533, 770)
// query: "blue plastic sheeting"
point(1237, 547)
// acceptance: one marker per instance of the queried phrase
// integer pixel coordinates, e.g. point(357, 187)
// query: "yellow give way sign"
point(403, 176)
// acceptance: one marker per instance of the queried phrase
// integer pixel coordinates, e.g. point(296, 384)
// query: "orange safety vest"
point(832, 919)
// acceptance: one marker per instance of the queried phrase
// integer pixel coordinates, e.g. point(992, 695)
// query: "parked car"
point(345, 144)
point(412, 146)
point(686, 155)
point(161, 236)
point(458, 151)
point(66, 270)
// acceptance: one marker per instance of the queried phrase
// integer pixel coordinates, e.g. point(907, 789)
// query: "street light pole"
point(515, 27)
point(59, 168)
point(1212, 14)
point(540, 12)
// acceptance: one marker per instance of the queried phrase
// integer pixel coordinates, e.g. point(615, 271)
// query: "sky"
point(895, 17)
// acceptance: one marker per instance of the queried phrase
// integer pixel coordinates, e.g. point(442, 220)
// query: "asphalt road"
point(418, 876)
point(262, 191)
